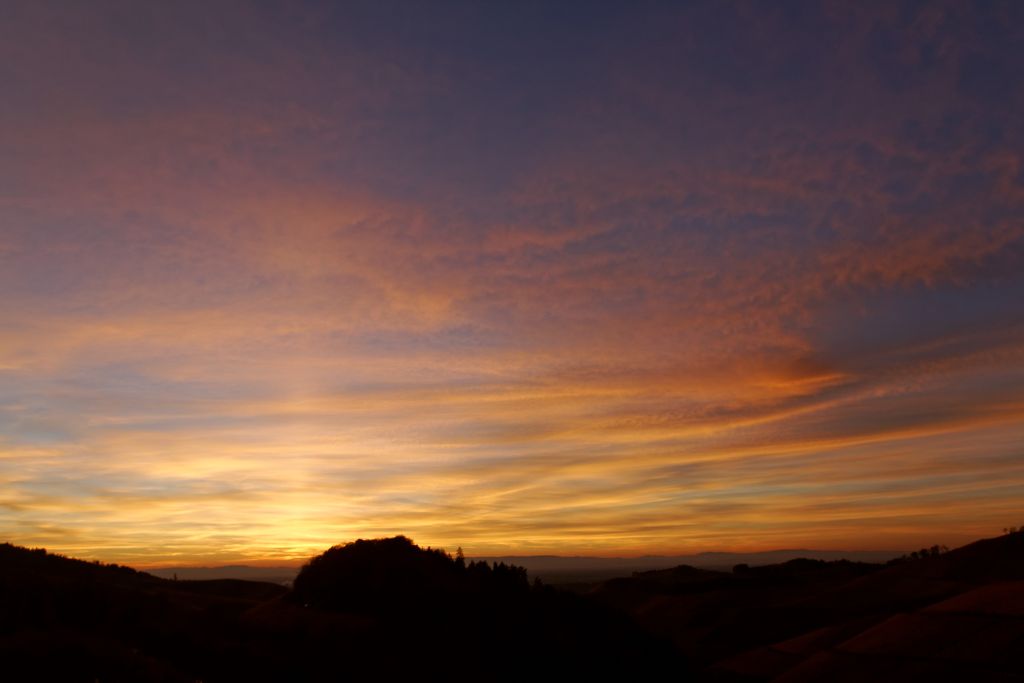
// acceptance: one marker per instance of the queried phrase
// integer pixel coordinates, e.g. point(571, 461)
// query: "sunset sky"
point(525, 277)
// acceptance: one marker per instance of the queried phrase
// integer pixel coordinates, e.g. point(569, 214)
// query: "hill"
point(957, 616)
point(280, 575)
point(382, 608)
point(813, 620)
point(561, 570)
point(388, 608)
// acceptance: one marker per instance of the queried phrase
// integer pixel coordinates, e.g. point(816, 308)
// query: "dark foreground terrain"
point(387, 608)
point(384, 608)
point(956, 616)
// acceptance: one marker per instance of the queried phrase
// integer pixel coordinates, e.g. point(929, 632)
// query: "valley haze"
point(935, 614)
point(561, 569)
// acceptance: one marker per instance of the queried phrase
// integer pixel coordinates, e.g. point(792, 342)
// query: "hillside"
point(353, 609)
point(958, 615)
point(810, 620)
point(355, 606)
point(114, 623)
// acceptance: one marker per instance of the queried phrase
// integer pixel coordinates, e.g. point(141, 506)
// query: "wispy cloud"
point(272, 279)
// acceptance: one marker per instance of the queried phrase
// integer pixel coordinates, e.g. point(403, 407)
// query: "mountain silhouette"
point(395, 575)
point(477, 613)
point(809, 620)
point(955, 616)
point(387, 608)
point(372, 608)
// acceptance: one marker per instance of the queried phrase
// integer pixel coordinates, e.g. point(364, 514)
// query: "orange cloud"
point(328, 289)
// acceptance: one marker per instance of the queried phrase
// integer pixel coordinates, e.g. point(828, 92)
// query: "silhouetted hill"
point(390, 575)
point(955, 616)
point(813, 620)
point(984, 561)
point(975, 636)
point(562, 569)
point(386, 608)
point(65, 619)
point(280, 575)
point(477, 613)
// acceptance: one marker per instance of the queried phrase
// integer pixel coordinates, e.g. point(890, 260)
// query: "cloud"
point(594, 281)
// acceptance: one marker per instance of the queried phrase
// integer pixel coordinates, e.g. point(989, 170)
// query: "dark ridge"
point(388, 609)
point(383, 608)
point(479, 612)
point(395, 575)
point(811, 620)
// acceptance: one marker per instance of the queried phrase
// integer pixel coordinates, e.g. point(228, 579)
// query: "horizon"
point(577, 278)
point(291, 563)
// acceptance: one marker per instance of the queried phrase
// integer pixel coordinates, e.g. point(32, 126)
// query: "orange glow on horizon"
point(268, 293)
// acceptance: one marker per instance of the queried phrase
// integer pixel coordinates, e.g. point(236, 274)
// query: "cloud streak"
point(520, 283)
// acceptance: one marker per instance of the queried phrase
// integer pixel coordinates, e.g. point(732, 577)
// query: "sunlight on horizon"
point(520, 280)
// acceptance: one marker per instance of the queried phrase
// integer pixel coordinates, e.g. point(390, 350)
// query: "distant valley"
point(930, 615)
point(557, 569)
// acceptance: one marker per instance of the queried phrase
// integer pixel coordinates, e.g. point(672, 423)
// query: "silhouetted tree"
point(923, 553)
point(394, 574)
point(395, 607)
point(460, 558)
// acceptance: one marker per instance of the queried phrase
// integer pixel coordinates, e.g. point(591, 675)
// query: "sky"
point(595, 278)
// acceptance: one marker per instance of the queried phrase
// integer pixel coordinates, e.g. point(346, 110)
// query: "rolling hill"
point(388, 608)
